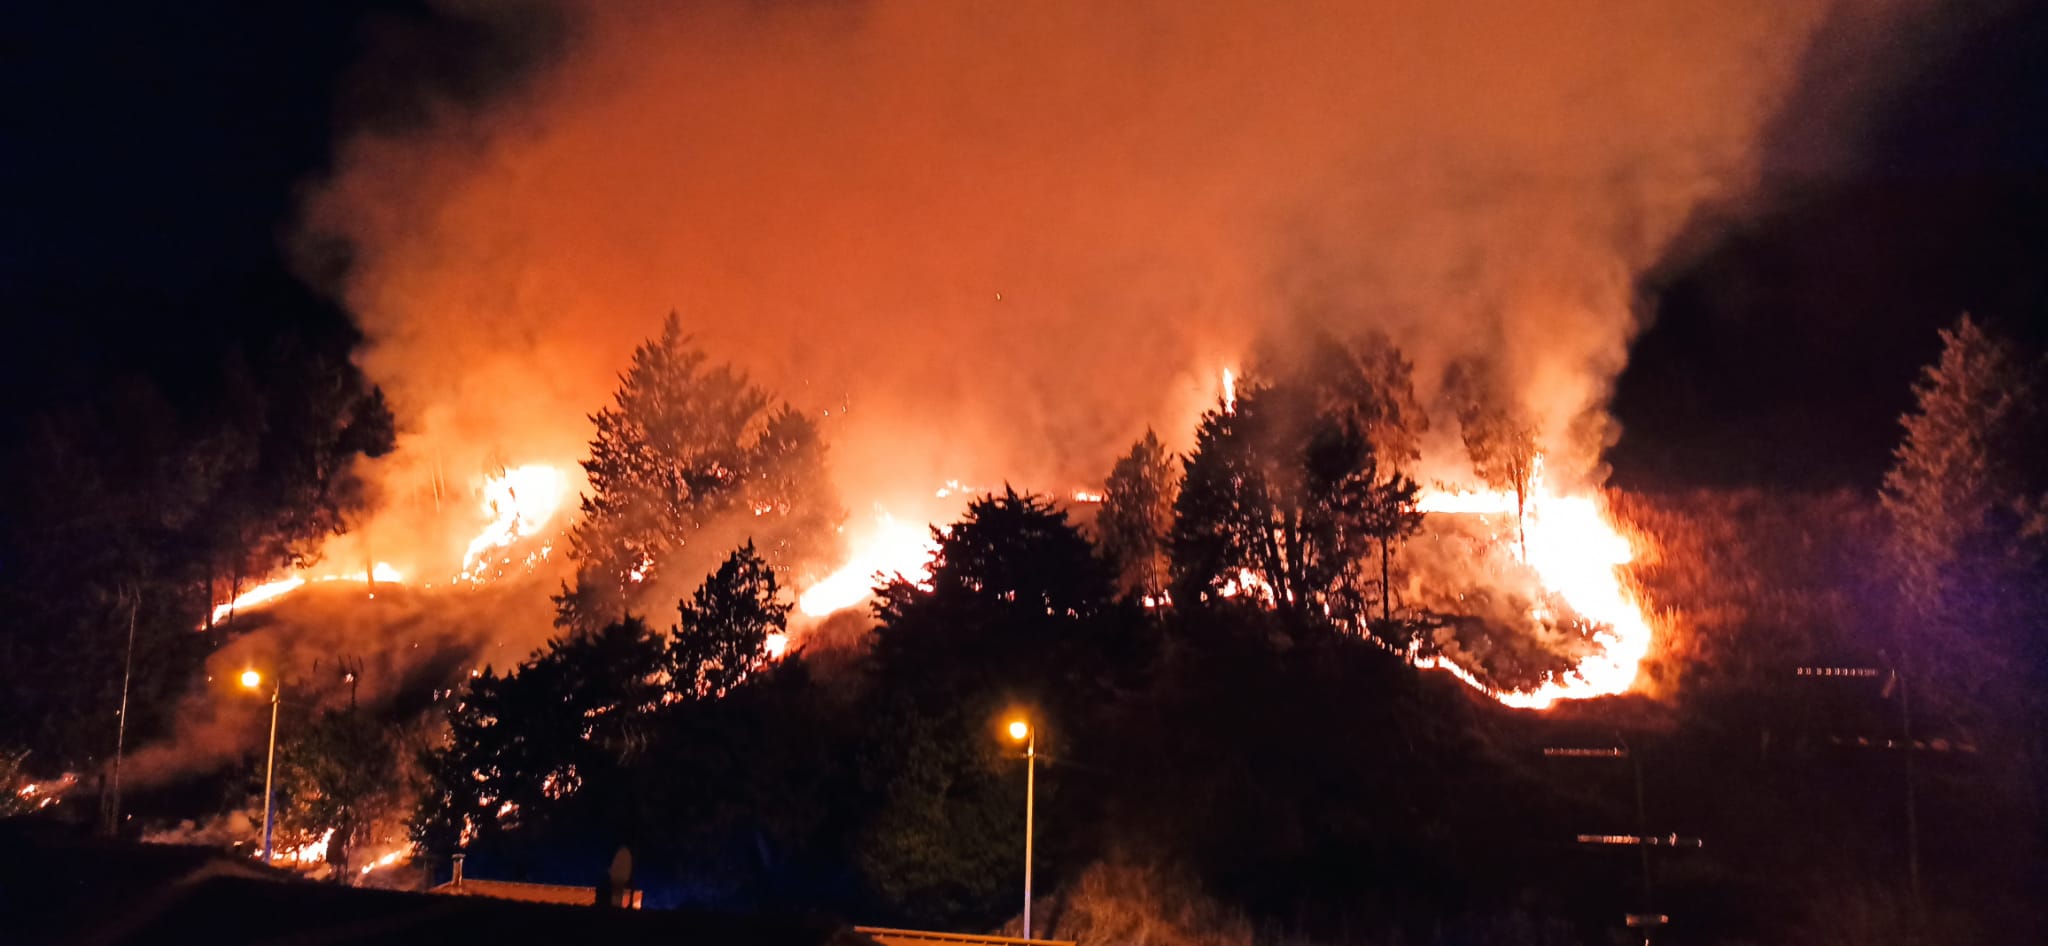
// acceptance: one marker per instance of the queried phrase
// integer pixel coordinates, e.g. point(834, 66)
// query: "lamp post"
point(1021, 731)
point(252, 680)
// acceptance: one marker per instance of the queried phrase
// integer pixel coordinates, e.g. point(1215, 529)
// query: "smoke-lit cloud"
point(995, 241)
point(1009, 236)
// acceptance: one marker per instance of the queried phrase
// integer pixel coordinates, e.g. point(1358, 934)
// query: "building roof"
point(516, 890)
point(61, 888)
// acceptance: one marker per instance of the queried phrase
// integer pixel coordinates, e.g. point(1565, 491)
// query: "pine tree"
point(689, 457)
point(722, 636)
point(1137, 515)
point(1964, 500)
point(1956, 478)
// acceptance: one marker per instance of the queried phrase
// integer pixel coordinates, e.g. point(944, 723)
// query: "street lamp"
point(1021, 731)
point(252, 680)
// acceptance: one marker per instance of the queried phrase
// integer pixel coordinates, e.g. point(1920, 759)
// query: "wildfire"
point(310, 852)
point(890, 547)
point(1576, 554)
point(382, 572)
point(387, 859)
point(518, 503)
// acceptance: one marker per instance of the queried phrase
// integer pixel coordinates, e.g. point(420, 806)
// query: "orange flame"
point(518, 503)
point(888, 547)
point(1578, 555)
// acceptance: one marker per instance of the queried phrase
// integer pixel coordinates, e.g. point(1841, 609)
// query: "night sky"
point(155, 155)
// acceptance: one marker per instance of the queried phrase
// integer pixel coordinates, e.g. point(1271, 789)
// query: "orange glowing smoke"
point(888, 547)
point(1577, 554)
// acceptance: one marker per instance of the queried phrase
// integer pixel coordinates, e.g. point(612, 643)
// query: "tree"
point(689, 453)
point(1276, 496)
point(1137, 516)
point(520, 745)
point(1389, 516)
point(1499, 437)
point(722, 636)
point(339, 772)
point(1019, 611)
point(1964, 501)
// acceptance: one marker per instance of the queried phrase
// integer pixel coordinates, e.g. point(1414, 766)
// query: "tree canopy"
point(690, 456)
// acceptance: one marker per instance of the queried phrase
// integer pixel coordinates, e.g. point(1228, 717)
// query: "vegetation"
point(690, 457)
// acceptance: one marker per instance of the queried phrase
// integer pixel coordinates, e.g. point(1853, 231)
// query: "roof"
point(62, 888)
point(516, 890)
point(890, 937)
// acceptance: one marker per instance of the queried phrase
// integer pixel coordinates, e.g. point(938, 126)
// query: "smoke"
point(996, 240)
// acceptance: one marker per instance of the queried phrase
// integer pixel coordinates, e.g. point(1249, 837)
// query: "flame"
point(386, 859)
point(777, 645)
point(1087, 496)
point(380, 573)
point(889, 547)
point(310, 852)
point(1229, 391)
point(1578, 555)
point(518, 503)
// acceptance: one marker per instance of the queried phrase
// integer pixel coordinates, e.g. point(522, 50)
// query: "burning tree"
point(1137, 517)
point(1499, 437)
point(1283, 500)
point(688, 448)
point(341, 772)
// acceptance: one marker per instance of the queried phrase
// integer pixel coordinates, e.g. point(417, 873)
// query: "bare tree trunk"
point(1386, 584)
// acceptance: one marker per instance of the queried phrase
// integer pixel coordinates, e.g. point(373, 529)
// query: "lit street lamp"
point(1021, 731)
point(252, 680)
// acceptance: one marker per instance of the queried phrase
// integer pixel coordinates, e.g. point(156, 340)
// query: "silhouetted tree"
point(341, 772)
point(688, 447)
point(520, 744)
point(1137, 516)
point(722, 636)
point(1964, 500)
point(1277, 496)
point(1390, 516)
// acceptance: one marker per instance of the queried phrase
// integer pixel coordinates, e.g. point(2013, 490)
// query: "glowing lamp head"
point(1019, 729)
point(251, 679)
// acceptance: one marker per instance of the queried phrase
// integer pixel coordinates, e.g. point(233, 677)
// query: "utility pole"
point(113, 825)
point(1648, 920)
point(1894, 681)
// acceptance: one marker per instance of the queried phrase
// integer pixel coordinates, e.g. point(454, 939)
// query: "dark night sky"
point(154, 157)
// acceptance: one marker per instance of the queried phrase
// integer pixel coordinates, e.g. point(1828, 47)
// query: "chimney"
point(456, 881)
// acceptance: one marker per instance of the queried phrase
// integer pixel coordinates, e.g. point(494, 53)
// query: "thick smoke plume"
point(996, 240)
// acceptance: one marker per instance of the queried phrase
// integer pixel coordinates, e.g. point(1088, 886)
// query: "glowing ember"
point(889, 548)
point(1578, 555)
point(518, 504)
